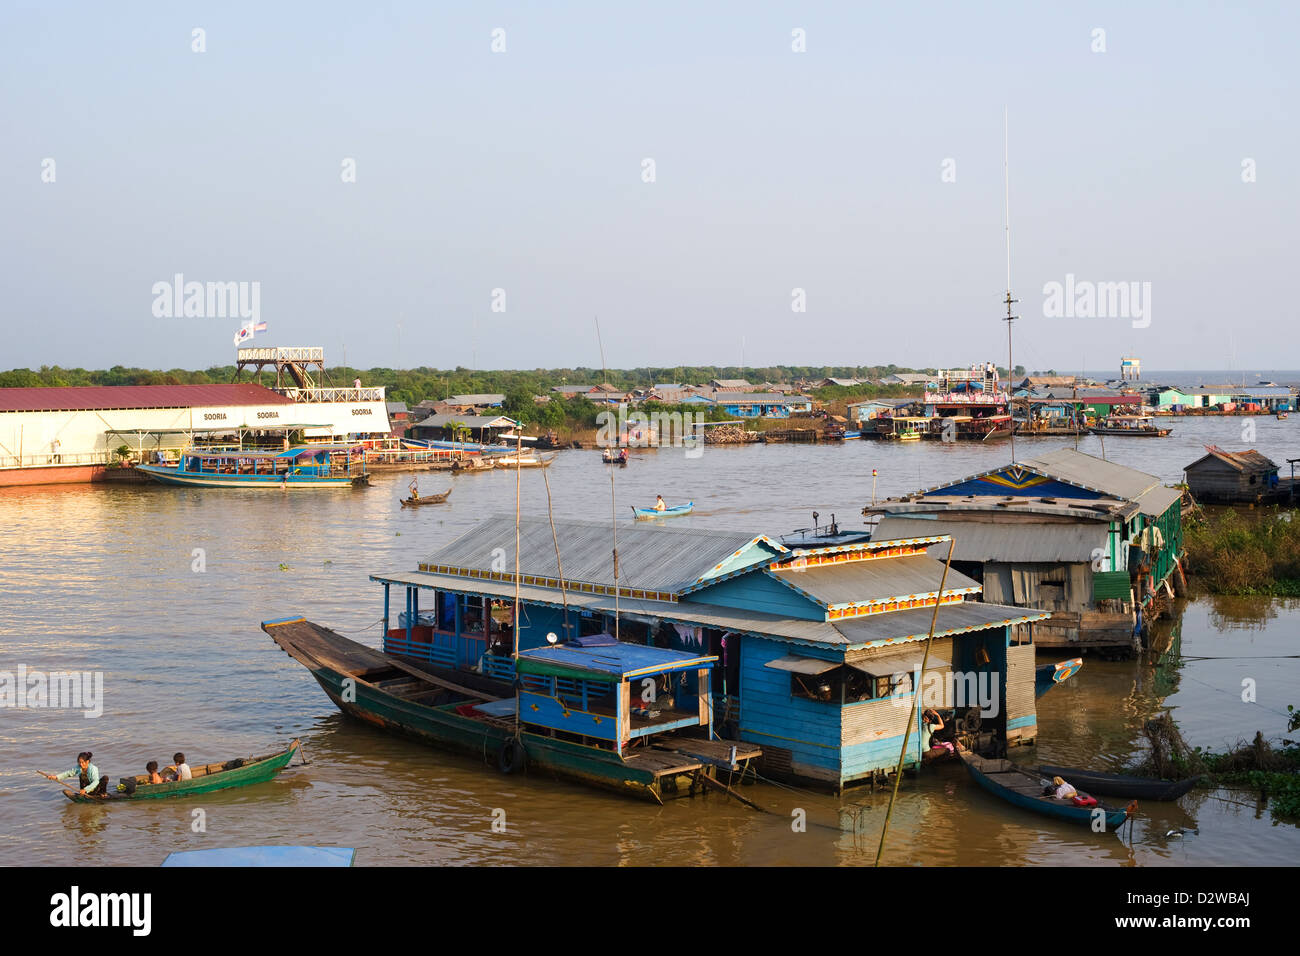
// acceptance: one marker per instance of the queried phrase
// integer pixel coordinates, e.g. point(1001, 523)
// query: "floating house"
point(1227, 477)
point(455, 427)
point(817, 648)
point(756, 404)
point(1093, 542)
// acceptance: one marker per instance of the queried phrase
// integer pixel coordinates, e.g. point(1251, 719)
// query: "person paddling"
point(87, 774)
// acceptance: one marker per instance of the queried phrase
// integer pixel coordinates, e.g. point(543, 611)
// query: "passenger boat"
point(676, 511)
point(1130, 426)
point(572, 714)
point(1122, 784)
point(302, 466)
point(614, 456)
point(522, 461)
point(1024, 789)
point(425, 500)
point(1281, 416)
point(207, 778)
point(1047, 676)
point(909, 434)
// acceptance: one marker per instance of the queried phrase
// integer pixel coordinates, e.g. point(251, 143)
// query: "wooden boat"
point(414, 502)
point(1130, 426)
point(614, 456)
point(1047, 676)
point(522, 461)
point(399, 698)
point(1281, 416)
point(207, 778)
point(303, 466)
point(1121, 784)
point(1024, 789)
point(676, 511)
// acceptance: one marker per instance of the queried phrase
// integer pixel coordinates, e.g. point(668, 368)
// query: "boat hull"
point(260, 770)
point(170, 476)
point(644, 514)
point(1048, 807)
point(1121, 784)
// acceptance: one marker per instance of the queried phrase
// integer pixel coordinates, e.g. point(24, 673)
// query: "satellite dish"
point(551, 638)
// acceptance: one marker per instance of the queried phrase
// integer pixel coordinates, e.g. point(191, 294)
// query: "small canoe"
point(645, 514)
point(1121, 784)
point(426, 500)
point(1024, 789)
point(213, 776)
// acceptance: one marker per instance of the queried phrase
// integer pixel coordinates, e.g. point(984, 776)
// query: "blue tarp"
point(264, 856)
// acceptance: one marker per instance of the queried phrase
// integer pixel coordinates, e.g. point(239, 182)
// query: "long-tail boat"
point(572, 714)
point(302, 466)
point(1024, 789)
point(1122, 784)
point(205, 779)
point(1047, 676)
point(1130, 426)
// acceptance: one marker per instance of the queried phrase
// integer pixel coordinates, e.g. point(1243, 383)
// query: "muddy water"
point(105, 579)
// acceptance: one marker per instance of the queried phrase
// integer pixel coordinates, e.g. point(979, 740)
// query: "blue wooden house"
point(818, 649)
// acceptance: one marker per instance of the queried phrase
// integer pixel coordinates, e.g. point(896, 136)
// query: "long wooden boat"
point(426, 499)
point(676, 511)
point(1024, 789)
point(399, 698)
point(1121, 784)
point(1130, 426)
point(330, 856)
point(303, 466)
point(206, 778)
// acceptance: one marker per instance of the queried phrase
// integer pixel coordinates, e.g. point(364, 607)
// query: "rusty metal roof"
point(91, 397)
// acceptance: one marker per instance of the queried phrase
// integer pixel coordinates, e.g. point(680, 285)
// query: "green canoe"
point(209, 777)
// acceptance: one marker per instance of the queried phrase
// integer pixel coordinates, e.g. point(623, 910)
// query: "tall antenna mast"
point(1006, 172)
point(603, 370)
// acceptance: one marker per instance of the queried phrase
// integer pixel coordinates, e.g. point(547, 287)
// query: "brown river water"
point(102, 579)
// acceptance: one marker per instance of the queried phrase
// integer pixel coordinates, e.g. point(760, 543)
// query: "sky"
point(719, 183)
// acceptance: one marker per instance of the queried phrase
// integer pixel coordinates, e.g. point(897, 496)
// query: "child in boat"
point(151, 768)
point(1063, 790)
point(179, 770)
point(659, 503)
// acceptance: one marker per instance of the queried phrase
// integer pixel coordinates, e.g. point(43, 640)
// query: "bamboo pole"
point(911, 712)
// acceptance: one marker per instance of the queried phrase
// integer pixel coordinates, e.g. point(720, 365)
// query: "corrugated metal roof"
point(1243, 461)
point(88, 397)
point(653, 559)
point(1157, 501)
point(890, 662)
point(1004, 540)
point(484, 398)
point(903, 626)
point(858, 582)
point(1074, 467)
point(444, 419)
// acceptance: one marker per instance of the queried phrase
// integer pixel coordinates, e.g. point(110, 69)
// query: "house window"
point(822, 687)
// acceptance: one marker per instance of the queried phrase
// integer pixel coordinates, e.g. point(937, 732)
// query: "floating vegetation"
point(1229, 553)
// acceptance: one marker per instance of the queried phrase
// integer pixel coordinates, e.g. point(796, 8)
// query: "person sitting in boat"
point(87, 774)
point(151, 768)
point(659, 503)
point(1062, 790)
point(179, 770)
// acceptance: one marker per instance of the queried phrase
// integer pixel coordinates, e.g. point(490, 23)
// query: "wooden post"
point(624, 715)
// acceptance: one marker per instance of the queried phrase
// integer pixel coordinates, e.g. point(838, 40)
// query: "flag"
point(247, 329)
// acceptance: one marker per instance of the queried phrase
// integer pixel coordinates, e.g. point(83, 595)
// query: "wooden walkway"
point(717, 753)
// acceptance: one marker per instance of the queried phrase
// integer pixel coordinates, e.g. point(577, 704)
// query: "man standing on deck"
point(55, 456)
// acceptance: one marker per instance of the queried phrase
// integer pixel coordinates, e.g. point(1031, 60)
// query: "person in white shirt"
point(180, 770)
point(1063, 790)
point(659, 503)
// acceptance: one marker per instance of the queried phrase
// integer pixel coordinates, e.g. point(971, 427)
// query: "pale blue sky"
point(522, 170)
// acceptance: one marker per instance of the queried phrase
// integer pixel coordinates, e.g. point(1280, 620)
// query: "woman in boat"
point(659, 503)
point(87, 775)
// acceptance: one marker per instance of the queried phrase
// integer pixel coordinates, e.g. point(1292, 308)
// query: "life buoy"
point(511, 757)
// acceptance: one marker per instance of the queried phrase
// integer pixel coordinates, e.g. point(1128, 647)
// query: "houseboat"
point(301, 466)
point(1097, 544)
point(810, 655)
point(958, 405)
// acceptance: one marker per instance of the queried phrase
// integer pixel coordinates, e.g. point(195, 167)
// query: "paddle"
point(66, 785)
